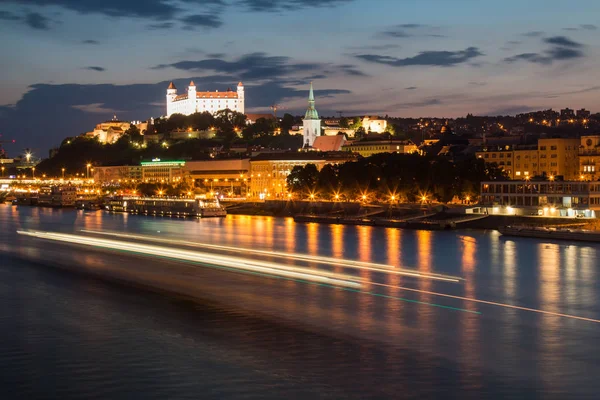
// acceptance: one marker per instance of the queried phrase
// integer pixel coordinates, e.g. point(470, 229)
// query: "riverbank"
point(404, 216)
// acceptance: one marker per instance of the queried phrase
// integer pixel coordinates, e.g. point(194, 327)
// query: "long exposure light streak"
point(205, 259)
point(491, 303)
point(387, 269)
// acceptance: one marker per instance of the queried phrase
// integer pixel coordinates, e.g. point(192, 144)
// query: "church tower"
point(171, 94)
point(191, 101)
point(311, 122)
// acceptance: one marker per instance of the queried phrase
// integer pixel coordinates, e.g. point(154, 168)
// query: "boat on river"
point(165, 206)
point(551, 233)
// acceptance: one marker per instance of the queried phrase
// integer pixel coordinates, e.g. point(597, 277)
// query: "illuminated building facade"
point(196, 102)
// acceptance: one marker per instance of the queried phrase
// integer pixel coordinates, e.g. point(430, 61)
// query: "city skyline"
point(73, 64)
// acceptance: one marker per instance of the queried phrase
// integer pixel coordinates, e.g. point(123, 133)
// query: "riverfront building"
point(194, 101)
point(544, 198)
point(370, 147)
point(589, 158)
point(162, 171)
point(550, 157)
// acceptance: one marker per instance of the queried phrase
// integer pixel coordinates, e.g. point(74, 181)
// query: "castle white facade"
point(311, 122)
point(194, 101)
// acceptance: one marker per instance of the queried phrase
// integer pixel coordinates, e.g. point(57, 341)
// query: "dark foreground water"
point(69, 336)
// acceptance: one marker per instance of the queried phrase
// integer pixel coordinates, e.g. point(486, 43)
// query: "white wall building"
point(311, 122)
point(194, 101)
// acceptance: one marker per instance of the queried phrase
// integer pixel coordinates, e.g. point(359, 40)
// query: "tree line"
point(401, 177)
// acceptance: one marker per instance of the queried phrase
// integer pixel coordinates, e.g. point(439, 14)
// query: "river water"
point(72, 336)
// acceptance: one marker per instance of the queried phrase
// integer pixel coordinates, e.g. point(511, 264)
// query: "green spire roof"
point(311, 112)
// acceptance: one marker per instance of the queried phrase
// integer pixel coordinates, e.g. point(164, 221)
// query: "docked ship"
point(177, 207)
point(551, 233)
point(57, 196)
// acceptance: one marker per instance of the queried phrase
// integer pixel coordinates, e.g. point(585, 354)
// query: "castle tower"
point(311, 122)
point(171, 94)
point(241, 100)
point(191, 100)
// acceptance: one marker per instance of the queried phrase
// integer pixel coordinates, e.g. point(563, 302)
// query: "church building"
point(197, 102)
point(311, 122)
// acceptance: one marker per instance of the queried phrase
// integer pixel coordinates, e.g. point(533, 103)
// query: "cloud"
point(90, 41)
point(428, 58)
point(375, 47)
point(93, 68)
point(161, 25)
point(582, 27)
point(258, 66)
point(417, 104)
point(37, 21)
point(287, 5)
point(474, 83)
point(410, 30)
point(510, 110)
point(562, 48)
point(202, 20)
point(95, 108)
point(9, 16)
point(562, 41)
point(533, 34)
point(410, 88)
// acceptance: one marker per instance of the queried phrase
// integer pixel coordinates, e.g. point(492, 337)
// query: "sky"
point(69, 64)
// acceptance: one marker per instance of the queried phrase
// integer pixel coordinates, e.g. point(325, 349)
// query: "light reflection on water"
point(530, 351)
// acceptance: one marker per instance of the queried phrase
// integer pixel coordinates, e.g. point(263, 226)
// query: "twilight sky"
point(68, 64)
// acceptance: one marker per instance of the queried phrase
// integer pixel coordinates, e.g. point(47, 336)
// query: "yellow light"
point(423, 198)
point(551, 177)
point(468, 198)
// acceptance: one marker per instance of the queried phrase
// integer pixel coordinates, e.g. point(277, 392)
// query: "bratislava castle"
point(194, 101)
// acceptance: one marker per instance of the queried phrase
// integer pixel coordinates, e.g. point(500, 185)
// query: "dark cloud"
point(153, 9)
point(286, 5)
point(429, 58)
point(417, 104)
point(389, 46)
point(257, 66)
point(410, 88)
point(202, 20)
point(582, 27)
point(161, 25)
point(533, 34)
point(562, 48)
point(9, 16)
point(90, 41)
point(94, 68)
point(474, 83)
point(410, 30)
point(511, 110)
point(562, 41)
point(72, 109)
point(37, 21)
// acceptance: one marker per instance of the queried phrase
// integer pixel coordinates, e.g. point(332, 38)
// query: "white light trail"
point(491, 303)
point(237, 263)
point(383, 268)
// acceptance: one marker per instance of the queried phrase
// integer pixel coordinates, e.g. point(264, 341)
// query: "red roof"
point(171, 86)
point(217, 95)
point(192, 83)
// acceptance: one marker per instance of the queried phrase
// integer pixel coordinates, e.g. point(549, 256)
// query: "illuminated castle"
point(194, 101)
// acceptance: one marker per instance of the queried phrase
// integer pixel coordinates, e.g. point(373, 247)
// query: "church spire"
point(311, 112)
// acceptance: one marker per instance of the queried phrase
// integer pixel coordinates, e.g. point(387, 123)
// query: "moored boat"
point(176, 207)
point(551, 233)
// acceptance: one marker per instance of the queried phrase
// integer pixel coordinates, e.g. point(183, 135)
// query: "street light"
point(28, 157)
point(88, 170)
point(33, 172)
point(3, 171)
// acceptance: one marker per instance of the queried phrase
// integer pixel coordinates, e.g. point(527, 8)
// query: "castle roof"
point(209, 95)
point(171, 86)
point(240, 84)
point(192, 84)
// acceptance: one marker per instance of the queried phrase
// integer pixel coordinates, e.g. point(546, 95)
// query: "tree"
point(303, 178)
point(360, 133)
point(356, 123)
point(328, 181)
point(344, 123)
point(287, 122)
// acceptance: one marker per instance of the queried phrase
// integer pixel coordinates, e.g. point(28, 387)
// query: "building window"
point(554, 156)
point(542, 147)
point(553, 147)
point(518, 173)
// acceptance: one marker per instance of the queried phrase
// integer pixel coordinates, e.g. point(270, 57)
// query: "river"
point(522, 322)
